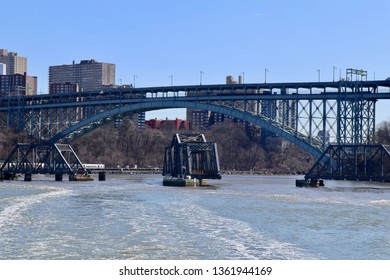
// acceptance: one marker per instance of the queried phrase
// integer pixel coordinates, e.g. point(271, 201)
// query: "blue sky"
point(158, 39)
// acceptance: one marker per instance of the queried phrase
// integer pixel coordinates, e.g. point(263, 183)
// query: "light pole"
point(319, 75)
point(201, 77)
point(135, 76)
point(265, 75)
point(171, 76)
point(334, 71)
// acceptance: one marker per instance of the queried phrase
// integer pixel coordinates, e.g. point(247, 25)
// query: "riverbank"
point(157, 170)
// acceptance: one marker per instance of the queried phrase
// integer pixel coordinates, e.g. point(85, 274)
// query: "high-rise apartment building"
point(88, 74)
point(14, 64)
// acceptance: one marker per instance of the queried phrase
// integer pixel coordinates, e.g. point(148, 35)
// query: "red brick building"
point(177, 124)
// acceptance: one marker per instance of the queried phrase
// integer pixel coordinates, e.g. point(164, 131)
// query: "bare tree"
point(382, 135)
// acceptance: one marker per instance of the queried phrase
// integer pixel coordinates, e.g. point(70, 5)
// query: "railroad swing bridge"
point(29, 159)
point(311, 115)
point(190, 157)
point(353, 162)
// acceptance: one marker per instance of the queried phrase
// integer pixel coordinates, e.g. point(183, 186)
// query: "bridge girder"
point(82, 127)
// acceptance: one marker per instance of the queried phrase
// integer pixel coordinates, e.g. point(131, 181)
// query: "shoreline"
point(130, 171)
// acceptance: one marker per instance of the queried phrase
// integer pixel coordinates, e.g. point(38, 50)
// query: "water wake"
point(14, 212)
point(233, 238)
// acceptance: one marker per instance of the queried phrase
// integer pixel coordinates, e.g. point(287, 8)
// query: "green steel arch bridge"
point(312, 115)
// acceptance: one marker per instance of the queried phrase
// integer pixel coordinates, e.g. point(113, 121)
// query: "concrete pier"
point(102, 176)
point(181, 182)
point(310, 183)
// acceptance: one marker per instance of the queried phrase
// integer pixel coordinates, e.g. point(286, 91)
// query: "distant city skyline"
point(156, 43)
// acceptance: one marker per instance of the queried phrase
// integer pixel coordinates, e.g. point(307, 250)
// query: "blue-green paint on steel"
point(299, 140)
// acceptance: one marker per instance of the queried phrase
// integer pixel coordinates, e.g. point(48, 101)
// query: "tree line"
point(125, 145)
point(128, 146)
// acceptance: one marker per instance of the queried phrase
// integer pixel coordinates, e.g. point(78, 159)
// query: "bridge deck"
point(300, 90)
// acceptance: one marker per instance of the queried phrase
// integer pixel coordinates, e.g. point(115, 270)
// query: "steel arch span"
point(311, 115)
point(313, 146)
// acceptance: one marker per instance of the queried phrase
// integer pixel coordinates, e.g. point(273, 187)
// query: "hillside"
point(128, 146)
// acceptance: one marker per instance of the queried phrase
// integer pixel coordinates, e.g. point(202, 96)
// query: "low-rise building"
point(18, 85)
point(178, 124)
point(63, 88)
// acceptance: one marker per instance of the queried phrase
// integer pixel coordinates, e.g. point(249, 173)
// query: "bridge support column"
point(59, 177)
point(203, 182)
point(27, 177)
point(102, 176)
point(7, 176)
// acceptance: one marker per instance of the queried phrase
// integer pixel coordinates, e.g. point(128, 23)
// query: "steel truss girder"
point(353, 162)
point(325, 120)
point(43, 159)
point(357, 121)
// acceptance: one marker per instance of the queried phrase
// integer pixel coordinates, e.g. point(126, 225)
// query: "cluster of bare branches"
point(382, 135)
point(128, 146)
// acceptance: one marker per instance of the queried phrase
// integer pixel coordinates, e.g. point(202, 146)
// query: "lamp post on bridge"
point(319, 75)
point(135, 76)
point(171, 76)
point(201, 77)
point(265, 75)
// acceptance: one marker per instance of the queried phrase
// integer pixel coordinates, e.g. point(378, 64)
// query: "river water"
point(239, 217)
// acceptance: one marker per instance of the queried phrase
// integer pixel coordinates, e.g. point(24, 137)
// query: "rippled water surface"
point(239, 217)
